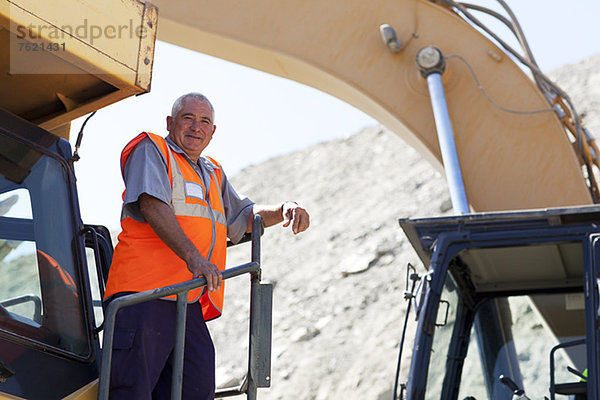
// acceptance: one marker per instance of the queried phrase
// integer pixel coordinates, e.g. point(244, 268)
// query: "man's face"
point(192, 128)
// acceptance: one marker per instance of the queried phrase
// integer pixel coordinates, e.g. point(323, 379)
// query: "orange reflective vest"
point(142, 261)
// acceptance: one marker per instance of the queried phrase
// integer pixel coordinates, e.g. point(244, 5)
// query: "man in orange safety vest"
point(178, 211)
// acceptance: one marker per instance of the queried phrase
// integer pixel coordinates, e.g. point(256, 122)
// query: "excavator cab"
point(508, 307)
point(46, 308)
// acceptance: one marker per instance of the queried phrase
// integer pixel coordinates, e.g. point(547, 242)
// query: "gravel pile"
point(338, 288)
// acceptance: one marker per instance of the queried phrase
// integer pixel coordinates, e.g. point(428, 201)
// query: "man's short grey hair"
point(178, 105)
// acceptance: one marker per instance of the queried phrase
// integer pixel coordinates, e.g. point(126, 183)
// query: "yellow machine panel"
point(63, 59)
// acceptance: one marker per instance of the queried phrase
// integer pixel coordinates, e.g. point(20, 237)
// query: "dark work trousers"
point(142, 357)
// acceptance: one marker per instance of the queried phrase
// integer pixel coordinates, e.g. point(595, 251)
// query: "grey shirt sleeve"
point(237, 211)
point(145, 171)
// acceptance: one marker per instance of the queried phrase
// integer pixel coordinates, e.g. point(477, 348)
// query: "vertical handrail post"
point(255, 277)
point(257, 228)
point(254, 318)
point(179, 348)
point(105, 362)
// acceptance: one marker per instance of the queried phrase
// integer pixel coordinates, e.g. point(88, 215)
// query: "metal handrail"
point(180, 290)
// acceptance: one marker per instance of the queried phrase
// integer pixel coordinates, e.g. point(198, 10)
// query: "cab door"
point(592, 310)
point(48, 343)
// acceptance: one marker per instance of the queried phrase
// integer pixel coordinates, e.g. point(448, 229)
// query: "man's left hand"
point(296, 216)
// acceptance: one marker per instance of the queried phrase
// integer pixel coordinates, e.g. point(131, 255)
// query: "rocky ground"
point(338, 296)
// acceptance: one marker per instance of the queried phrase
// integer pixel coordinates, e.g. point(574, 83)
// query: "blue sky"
point(259, 116)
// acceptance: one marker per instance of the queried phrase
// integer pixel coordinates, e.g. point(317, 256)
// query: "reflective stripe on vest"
point(142, 261)
point(179, 195)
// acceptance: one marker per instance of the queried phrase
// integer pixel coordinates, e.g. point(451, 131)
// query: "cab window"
point(39, 290)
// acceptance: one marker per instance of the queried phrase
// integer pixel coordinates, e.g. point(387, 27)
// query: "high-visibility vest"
point(142, 261)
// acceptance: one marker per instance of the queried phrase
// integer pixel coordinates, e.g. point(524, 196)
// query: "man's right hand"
point(199, 265)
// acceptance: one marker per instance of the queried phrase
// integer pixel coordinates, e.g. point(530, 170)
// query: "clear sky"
point(259, 116)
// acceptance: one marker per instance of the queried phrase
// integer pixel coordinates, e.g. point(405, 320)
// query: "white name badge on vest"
point(193, 189)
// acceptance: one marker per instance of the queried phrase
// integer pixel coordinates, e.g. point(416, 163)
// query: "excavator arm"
point(513, 149)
